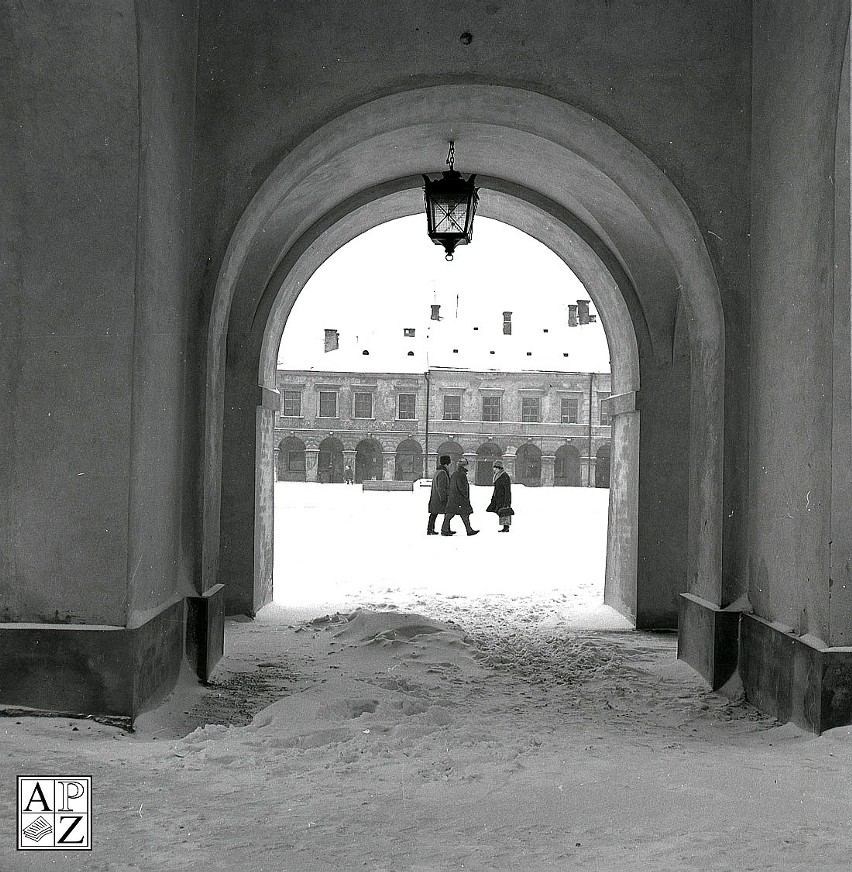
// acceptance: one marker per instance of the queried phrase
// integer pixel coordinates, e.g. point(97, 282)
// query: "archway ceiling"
point(514, 157)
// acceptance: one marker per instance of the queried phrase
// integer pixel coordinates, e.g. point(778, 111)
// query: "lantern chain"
point(451, 155)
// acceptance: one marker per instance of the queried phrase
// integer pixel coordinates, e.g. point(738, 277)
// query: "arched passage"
point(528, 465)
point(368, 461)
point(291, 459)
point(330, 461)
point(566, 467)
point(409, 461)
point(486, 454)
point(574, 184)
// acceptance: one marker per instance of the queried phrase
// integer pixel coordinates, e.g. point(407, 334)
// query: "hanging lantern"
point(450, 207)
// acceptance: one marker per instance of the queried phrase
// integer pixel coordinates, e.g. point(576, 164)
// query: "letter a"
point(43, 801)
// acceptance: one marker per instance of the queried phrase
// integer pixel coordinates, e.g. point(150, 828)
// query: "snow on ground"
point(432, 716)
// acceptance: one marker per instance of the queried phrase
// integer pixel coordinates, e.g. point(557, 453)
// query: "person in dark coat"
point(501, 499)
point(438, 496)
point(458, 500)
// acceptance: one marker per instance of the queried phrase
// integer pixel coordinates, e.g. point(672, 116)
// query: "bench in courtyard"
point(388, 485)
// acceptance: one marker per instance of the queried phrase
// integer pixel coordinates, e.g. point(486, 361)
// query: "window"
point(363, 405)
point(295, 461)
point(291, 405)
point(452, 408)
point(406, 407)
point(328, 404)
point(570, 410)
point(603, 404)
point(530, 409)
point(491, 408)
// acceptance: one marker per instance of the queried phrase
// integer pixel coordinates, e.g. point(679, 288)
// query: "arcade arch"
point(409, 461)
point(368, 461)
point(486, 454)
point(528, 465)
point(567, 471)
point(330, 461)
point(569, 181)
point(291, 459)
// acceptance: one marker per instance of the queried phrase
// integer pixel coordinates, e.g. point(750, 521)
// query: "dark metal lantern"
point(450, 207)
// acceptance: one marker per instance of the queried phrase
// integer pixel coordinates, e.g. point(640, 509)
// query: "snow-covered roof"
point(474, 343)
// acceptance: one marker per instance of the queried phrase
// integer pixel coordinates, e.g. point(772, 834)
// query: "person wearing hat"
point(501, 499)
point(440, 491)
point(458, 500)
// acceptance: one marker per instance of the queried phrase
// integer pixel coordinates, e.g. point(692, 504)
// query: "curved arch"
point(528, 465)
point(291, 459)
point(368, 461)
point(486, 454)
point(409, 460)
point(599, 202)
point(330, 461)
point(567, 471)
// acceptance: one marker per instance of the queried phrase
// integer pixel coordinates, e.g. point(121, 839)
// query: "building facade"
point(548, 428)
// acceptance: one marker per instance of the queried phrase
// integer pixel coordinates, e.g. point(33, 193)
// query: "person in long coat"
point(501, 499)
point(438, 496)
point(458, 500)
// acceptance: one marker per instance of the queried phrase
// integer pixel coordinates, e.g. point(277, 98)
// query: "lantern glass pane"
point(450, 216)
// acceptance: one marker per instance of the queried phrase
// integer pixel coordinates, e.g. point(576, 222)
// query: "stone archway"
point(330, 461)
point(368, 461)
point(291, 459)
point(486, 454)
point(577, 186)
point(409, 461)
point(528, 465)
point(567, 471)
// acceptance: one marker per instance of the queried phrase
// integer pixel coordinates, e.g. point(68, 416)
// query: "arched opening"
point(291, 460)
point(409, 461)
point(368, 461)
point(331, 188)
point(451, 449)
point(330, 461)
point(528, 465)
point(486, 454)
point(602, 456)
point(566, 467)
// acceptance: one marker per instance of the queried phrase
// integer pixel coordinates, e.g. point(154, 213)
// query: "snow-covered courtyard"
point(425, 703)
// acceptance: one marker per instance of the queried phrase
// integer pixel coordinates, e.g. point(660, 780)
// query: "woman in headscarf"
point(501, 499)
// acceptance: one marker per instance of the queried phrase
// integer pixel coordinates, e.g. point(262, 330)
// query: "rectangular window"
point(530, 409)
point(570, 410)
point(406, 407)
point(452, 408)
point(603, 405)
point(328, 404)
point(363, 405)
point(491, 408)
point(291, 405)
point(296, 461)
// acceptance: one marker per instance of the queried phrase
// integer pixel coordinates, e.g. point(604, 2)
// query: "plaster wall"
point(798, 54)
point(69, 161)
point(162, 485)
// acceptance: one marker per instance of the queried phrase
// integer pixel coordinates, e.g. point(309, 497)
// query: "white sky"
point(389, 276)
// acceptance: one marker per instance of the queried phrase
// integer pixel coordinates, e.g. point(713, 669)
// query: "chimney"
point(583, 311)
point(436, 312)
point(331, 340)
point(572, 315)
point(507, 323)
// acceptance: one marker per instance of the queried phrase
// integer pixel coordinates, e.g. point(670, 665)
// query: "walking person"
point(501, 499)
point(458, 500)
point(439, 494)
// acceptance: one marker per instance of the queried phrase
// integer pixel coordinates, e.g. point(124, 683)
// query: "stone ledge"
point(708, 639)
point(99, 671)
point(795, 678)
